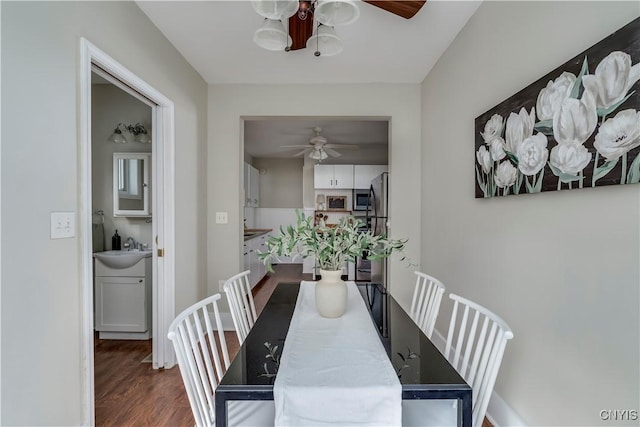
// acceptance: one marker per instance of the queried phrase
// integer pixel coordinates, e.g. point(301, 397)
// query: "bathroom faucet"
point(131, 243)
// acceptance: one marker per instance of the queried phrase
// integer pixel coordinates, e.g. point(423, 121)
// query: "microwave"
point(361, 200)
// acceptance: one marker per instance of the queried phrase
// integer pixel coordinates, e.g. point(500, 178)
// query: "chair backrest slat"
point(202, 359)
point(483, 347)
point(209, 347)
point(425, 304)
point(472, 334)
point(198, 339)
point(478, 354)
point(240, 298)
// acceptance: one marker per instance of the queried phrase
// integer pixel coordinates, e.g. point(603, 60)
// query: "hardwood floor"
point(129, 392)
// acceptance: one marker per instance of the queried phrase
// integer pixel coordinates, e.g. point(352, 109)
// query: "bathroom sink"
point(121, 259)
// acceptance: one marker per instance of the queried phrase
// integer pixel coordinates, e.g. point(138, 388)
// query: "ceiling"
point(216, 38)
point(264, 138)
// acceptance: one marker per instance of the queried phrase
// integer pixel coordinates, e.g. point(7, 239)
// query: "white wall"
point(229, 103)
point(280, 182)
point(110, 106)
point(561, 268)
point(41, 306)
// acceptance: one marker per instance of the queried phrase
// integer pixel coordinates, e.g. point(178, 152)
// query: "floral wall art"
point(576, 127)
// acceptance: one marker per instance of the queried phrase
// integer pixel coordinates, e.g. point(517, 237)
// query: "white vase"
point(331, 294)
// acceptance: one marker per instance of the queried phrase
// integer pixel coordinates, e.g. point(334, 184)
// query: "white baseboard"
point(227, 322)
point(499, 412)
point(106, 335)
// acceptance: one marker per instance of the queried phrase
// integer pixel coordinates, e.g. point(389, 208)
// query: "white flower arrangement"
point(570, 109)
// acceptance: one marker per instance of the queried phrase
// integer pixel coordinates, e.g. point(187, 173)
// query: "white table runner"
point(335, 371)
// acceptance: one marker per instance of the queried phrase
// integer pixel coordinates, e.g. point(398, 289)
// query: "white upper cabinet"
point(254, 186)
point(251, 186)
point(364, 174)
point(333, 176)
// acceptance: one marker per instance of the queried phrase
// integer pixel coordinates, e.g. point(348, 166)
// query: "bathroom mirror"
point(131, 184)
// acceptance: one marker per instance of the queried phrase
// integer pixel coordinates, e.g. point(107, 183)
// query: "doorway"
point(162, 207)
point(284, 152)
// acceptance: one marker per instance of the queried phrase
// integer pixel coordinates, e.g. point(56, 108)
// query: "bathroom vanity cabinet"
point(123, 300)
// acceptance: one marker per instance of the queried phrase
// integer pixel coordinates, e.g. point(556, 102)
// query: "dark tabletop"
point(419, 364)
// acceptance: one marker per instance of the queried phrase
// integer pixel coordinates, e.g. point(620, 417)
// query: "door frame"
point(163, 209)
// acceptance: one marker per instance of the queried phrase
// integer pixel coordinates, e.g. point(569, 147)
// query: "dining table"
point(422, 370)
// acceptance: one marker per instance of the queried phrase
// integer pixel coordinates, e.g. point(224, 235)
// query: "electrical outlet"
point(63, 225)
point(221, 218)
point(221, 285)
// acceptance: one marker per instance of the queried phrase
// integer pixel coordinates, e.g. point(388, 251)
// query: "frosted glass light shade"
point(272, 35)
point(326, 41)
point(117, 137)
point(143, 138)
point(275, 9)
point(318, 154)
point(336, 12)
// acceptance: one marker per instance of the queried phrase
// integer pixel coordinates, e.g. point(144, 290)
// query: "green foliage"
point(634, 171)
point(602, 170)
point(575, 90)
point(332, 247)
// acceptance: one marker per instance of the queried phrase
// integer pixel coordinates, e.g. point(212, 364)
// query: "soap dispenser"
point(116, 242)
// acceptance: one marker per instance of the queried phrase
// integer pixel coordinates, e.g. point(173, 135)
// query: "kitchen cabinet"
point(333, 176)
point(364, 174)
point(251, 261)
point(251, 186)
point(123, 301)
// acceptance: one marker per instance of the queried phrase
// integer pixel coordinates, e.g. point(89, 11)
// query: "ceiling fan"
point(309, 13)
point(319, 148)
point(301, 23)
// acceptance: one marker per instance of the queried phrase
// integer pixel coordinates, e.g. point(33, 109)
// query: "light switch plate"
point(221, 218)
point(63, 225)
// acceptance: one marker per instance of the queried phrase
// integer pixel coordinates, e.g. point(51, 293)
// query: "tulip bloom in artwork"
point(570, 109)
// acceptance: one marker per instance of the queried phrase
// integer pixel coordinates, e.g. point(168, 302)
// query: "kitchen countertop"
point(250, 233)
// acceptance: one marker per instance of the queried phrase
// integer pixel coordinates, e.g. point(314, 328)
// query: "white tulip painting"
point(576, 127)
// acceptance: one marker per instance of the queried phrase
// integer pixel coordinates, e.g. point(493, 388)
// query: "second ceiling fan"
point(302, 16)
point(319, 148)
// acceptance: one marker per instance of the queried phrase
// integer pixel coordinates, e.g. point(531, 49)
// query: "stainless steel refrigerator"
point(379, 220)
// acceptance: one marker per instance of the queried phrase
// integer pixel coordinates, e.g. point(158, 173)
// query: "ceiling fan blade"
point(342, 146)
point(296, 146)
point(300, 153)
point(406, 9)
point(331, 152)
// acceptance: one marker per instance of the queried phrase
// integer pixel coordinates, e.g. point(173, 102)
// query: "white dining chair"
point(203, 358)
point(426, 302)
point(475, 345)
point(240, 298)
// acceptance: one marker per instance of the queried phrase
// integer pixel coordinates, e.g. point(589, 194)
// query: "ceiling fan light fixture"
point(326, 41)
point(318, 153)
point(272, 35)
point(336, 12)
point(275, 9)
point(305, 10)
